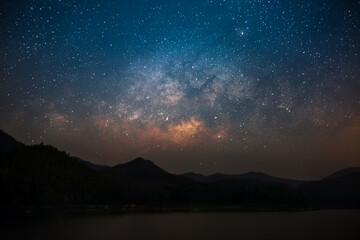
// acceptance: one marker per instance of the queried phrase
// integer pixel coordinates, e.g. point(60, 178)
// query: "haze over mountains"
point(42, 175)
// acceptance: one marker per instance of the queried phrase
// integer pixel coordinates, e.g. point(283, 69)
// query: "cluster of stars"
point(239, 83)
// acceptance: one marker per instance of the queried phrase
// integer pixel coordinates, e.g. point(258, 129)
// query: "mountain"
point(93, 166)
point(41, 174)
point(146, 183)
point(8, 143)
point(196, 176)
point(250, 175)
point(344, 173)
point(139, 168)
point(338, 190)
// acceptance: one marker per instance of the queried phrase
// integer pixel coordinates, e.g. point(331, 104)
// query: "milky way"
point(202, 86)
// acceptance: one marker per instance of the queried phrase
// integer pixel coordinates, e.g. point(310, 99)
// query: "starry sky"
point(206, 86)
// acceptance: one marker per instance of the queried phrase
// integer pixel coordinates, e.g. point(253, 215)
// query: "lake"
point(325, 224)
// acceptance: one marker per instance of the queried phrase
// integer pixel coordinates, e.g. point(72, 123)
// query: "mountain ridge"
point(249, 175)
point(41, 174)
point(8, 143)
point(343, 172)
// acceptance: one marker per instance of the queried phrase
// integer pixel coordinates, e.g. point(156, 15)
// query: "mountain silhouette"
point(8, 143)
point(139, 168)
point(42, 175)
point(145, 183)
point(345, 173)
point(250, 175)
point(93, 166)
point(339, 190)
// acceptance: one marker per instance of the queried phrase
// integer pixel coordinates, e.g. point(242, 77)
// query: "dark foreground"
point(323, 224)
point(34, 177)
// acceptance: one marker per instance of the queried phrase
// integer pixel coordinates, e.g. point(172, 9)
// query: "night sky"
point(204, 86)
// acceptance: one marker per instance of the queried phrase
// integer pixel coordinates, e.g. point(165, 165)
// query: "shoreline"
point(75, 210)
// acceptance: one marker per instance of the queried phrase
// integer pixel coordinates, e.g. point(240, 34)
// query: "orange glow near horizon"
point(182, 134)
point(185, 131)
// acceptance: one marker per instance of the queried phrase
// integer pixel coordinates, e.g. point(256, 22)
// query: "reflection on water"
point(329, 224)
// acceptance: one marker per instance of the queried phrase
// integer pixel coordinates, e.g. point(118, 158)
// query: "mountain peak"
point(140, 160)
point(139, 165)
point(140, 169)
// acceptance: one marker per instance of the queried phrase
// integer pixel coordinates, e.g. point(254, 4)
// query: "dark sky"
point(205, 86)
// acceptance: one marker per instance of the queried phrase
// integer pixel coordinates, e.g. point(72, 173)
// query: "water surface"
point(326, 224)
